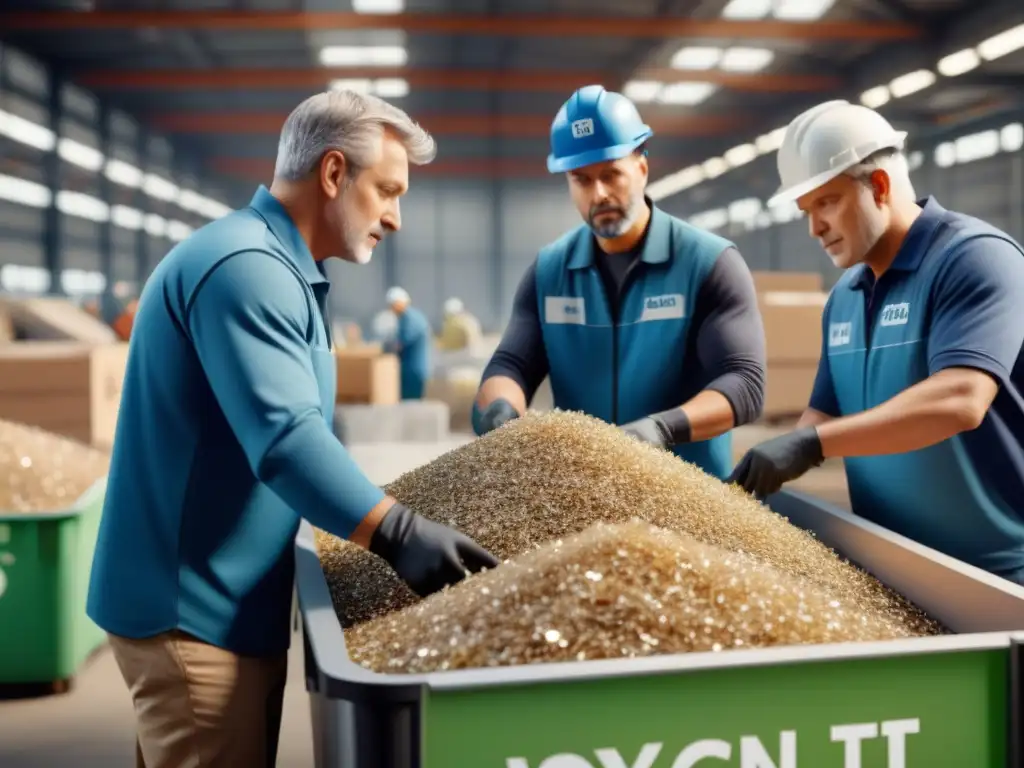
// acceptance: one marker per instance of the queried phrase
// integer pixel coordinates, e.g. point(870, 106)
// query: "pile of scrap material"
point(609, 544)
point(44, 472)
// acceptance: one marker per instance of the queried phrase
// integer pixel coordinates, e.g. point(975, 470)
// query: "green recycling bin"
point(45, 559)
point(953, 700)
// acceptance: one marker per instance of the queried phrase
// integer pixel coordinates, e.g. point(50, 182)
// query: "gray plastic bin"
point(951, 700)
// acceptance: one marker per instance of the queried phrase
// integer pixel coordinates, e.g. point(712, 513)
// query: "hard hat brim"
point(602, 155)
point(794, 192)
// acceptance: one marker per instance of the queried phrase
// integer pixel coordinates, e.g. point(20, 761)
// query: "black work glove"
point(768, 465)
point(494, 415)
point(428, 556)
point(662, 430)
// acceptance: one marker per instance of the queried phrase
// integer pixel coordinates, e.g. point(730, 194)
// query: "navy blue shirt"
point(223, 440)
point(953, 297)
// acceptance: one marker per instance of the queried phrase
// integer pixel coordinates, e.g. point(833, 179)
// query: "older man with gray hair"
point(224, 442)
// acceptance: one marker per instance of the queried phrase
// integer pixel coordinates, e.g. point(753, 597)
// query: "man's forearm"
point(710, 414)
point(934, 410)
point(813, 418)
point(501, 387)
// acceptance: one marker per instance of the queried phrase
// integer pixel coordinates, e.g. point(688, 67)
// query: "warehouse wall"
point(84, 192)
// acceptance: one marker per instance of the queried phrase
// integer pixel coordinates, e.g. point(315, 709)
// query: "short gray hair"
point(351, 123)
point(894, 162)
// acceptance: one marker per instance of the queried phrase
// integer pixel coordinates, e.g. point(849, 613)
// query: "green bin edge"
point(45, 607)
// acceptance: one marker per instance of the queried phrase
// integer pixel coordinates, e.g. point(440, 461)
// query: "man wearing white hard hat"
point(460, 330)
point(411, 343)
point(920, 387)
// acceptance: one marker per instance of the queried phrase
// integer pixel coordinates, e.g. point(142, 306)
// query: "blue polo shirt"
point(952, 298)
point(415, 341)
point(223, 440)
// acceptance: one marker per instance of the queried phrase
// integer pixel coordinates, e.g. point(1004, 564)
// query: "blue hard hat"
point(593, 126)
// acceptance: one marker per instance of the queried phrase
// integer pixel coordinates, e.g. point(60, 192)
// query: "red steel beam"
point(525, 126)
point(482, 80)
point(262, 169)
point(517, 25)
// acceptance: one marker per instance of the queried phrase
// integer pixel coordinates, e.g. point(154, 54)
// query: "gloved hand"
point(428, 556)
point(494, 415)
point(651, 430)
point(767, 466)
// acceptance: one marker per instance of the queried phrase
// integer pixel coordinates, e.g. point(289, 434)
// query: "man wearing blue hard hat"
point(639, 318)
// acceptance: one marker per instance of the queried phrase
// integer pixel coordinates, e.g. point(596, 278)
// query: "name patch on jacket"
point(670, 306)
point(565, 310)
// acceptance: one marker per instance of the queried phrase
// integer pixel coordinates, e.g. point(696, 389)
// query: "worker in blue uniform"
point(920, 386)
point(638, 318)
point(411, 343)
point(223, 443)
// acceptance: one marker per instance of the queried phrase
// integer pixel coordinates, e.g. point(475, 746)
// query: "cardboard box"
point(792, 325)
point(787, 281)
point(68, 388)
point(49, 318)
point(788, 389)
point(366, 375)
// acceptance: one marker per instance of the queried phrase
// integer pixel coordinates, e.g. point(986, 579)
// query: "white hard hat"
point(395, 295)
point(827, 140)
point(453, 306)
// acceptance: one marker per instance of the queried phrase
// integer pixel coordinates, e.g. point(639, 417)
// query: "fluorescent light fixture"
point(79, 154)
point(915, 160)
point(873, 98)
point(126, 217)
point(741, 155)
point(15, 277)
point(675, 182)
point(359, 85)
point(695, 58)
point(770, 142)
point(1011, 137)
point(24, 192)
point(1003, 43)
point(783, 213)
point(82, 205)
point(79, 281)
point(159, 187)
point(190, 201)
point(686, 93)
point(747, 9)
point(642, 91)
point(712, 219)
point(715, 167)
point(26, 132)
point(378, 6)
point(801, 10)
point(746, 59)
point(912, 82)
point(763, 220)
point(178, 231)
point(957, 63)
point(363, 56)
point(977, 146)
point(945, 155)
point(155, 224)
point(742, 211)
point(391, 87)
point(214, 210)
point(125, 174)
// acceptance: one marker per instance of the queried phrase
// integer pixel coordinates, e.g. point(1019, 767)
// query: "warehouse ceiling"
point(487, 76)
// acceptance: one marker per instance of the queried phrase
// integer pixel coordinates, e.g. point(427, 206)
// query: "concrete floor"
point(92, 726)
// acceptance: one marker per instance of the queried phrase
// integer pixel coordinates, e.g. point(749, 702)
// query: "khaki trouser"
point(199, 706)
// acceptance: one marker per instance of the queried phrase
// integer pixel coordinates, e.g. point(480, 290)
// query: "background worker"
point(223, 442)
point(411, 343)
point(460, 329)
point(920, 387)
point(639, 318)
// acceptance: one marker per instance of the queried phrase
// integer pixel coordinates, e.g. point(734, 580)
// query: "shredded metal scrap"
point(549, 476)
point(613, 591)
point(44, 472)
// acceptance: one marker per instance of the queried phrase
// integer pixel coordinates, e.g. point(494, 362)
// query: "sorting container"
point(45, 559)
point(952, 700)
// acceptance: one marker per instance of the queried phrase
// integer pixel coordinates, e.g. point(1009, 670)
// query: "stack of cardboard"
point(69, 388)
point(367, 375)
point(791, 304)
point(49, 318)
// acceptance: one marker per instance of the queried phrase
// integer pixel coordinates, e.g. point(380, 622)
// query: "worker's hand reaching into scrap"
point(651, 430)
point(497, 413)
point(428, 556)
point(767, 466)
